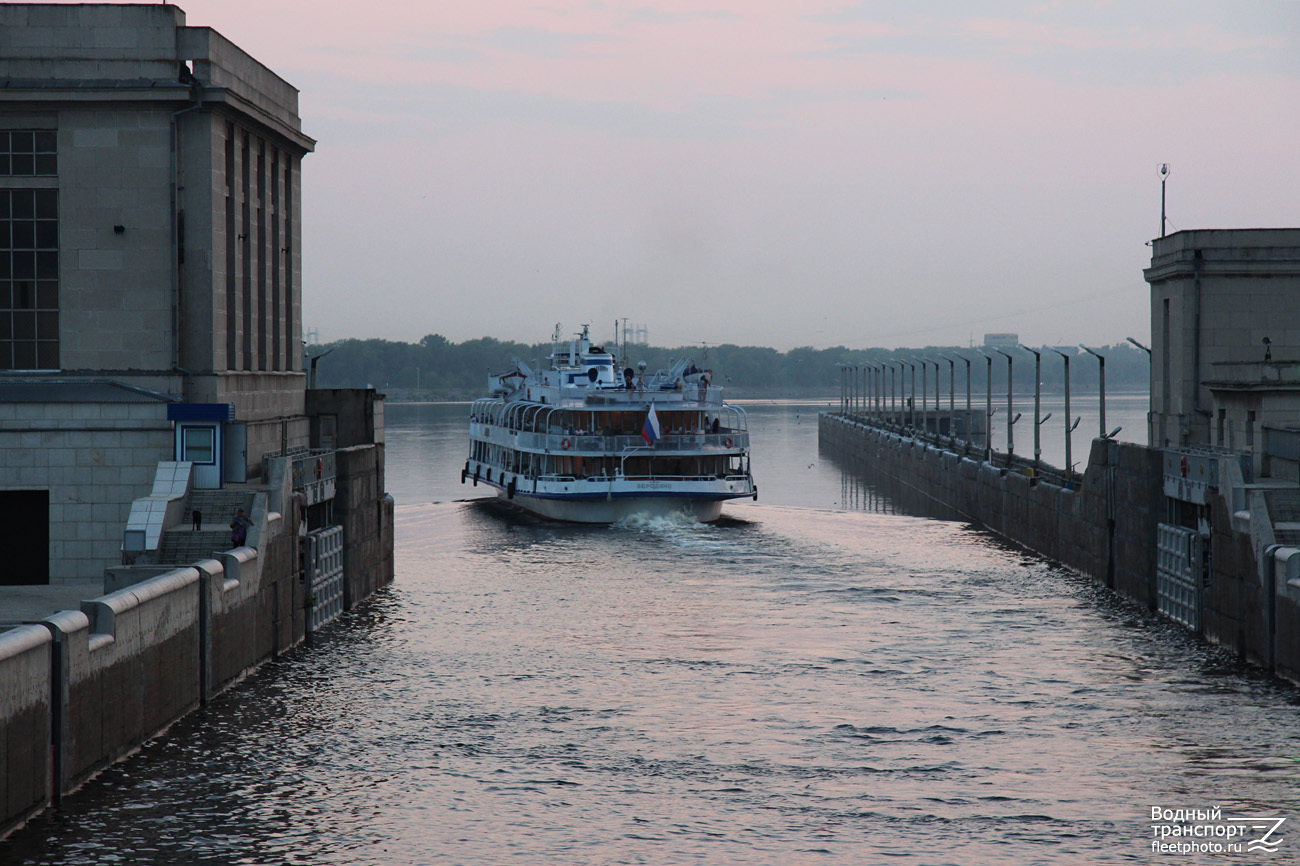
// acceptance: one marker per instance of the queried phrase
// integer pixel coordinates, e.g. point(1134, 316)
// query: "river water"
point(815, 679)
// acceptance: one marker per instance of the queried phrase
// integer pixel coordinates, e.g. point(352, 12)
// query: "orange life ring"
point(320, 468)
point(565, 443)
point(727, 443)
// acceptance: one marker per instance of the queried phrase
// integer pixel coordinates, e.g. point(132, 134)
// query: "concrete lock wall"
point(1106, 528)
point(82, 688)
point(366, 515)
point(127, 668)
point(24, 722)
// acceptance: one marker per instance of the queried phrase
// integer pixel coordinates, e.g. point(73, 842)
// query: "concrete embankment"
point(80, 689)
point(1246, 598)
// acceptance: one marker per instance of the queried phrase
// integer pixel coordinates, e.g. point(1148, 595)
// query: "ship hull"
point(614, 509)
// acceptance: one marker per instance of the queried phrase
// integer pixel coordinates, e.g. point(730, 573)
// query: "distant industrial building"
point(1001, 341)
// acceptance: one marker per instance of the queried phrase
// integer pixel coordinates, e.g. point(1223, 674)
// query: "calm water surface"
point(813, 680)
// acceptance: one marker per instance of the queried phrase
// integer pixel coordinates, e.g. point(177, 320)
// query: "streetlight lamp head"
point(1112, 434)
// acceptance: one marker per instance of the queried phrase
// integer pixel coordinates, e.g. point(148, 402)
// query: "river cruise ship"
point(587, 442)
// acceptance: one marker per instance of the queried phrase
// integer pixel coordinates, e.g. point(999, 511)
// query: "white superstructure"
point(586, 442)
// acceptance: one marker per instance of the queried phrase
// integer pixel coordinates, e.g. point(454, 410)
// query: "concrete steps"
point(1284, 505)
point(218, 507)
point(181, 545)
point(184, 546)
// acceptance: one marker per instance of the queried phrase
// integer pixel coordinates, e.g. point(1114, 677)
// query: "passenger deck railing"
point(581, 444)
point(607, 479)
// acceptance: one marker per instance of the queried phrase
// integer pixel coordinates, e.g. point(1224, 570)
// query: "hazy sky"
point(779, 173)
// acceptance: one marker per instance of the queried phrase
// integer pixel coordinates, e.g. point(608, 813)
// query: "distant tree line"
point(437, 369)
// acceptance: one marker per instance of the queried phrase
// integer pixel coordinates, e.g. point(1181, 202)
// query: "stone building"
point(1225, 331)
point(150, 272)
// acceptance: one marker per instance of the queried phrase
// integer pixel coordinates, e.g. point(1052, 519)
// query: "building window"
point(198, 445)
point(28, 153)
point(29, 279)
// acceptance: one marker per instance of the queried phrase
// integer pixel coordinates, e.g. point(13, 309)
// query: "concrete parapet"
point(1105, 528)
point(25, 720)
point(231, 633)
point(131, 671)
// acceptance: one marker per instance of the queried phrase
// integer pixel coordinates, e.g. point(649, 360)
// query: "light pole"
point(895, 375)
point(925, 394)
point(857, 390)
point(913, 419)
point(968, 415)
point(878, 370)
point(1101, 385)
point(936, 394)
point(988, 408)
point(1011, 443)
point(911, 403)
point(1150, 417)
point(1038, 398)
point(952, 396)
point(1164, 176)
point(1069, 427)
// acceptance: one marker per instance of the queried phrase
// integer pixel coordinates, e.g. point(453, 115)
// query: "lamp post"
point(867, 392)
point(968, 415)
point(857, 389)
point(937, 425)
point(925, 394)
point(911, 403)
point(1150, 417)
point(864, 389)
point(1011, 443)
point(895, 375)
point(884, 392)
point(847, 387)
point(878, 370)
point(1164, 176)
point(1101, 385)
point(952, 396)
point(1069, 427)
point(843, 385)
point(988, 408)
point(1038, 398)
point(888, 394)
point(925, 360)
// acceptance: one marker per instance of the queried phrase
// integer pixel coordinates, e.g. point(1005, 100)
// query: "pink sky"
point(813, 173)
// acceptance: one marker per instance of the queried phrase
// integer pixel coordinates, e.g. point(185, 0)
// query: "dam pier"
point(1202, 523)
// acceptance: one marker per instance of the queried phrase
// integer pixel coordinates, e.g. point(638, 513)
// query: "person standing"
point(239, 529)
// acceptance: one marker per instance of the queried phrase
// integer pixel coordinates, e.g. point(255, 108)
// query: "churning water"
point(812, 680)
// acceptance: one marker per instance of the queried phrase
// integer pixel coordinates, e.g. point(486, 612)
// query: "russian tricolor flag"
point(650, 431)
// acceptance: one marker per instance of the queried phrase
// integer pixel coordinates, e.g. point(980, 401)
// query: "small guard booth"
point(208, 436)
